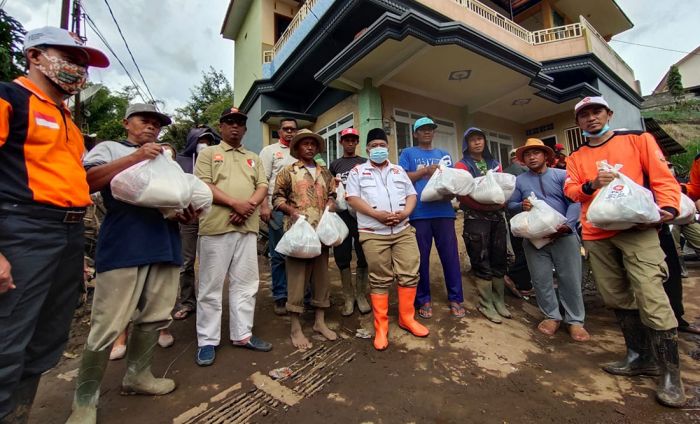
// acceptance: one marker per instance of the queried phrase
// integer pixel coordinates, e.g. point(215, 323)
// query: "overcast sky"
point(173, 41)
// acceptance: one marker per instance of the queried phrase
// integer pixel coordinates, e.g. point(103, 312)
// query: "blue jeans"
point(563, 255)
point(277, 269)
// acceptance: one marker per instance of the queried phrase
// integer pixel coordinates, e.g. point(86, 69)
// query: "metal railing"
point(549, 35)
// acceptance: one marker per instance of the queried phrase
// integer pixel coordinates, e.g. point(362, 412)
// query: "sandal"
point(457, 310)
point(183, 312)
point(578, 333)
point(425, 311)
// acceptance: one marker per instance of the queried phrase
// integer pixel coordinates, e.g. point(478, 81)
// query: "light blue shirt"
point(549, 187)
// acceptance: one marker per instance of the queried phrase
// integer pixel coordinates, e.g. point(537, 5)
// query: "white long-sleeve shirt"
point(384, 189)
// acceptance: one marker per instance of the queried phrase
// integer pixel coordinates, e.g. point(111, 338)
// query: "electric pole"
point(75, 28)
point(65, 12)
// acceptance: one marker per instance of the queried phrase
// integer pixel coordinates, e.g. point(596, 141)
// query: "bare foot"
point(299, 341)
point(325, 331)
point(321, 327)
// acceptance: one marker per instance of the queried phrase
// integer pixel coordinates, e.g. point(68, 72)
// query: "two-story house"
point(515, 68)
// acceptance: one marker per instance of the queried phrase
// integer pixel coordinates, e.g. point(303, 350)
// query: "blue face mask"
point(603, 130)
point(379, 155)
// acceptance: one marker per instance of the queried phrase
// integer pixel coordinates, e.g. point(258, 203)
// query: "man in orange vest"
point(628, 265)
point(43, 195)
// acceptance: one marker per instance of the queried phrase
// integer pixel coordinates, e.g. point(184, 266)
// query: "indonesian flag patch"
point(46, 121)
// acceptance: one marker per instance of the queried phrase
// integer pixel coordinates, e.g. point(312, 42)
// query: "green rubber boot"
point(499, 289)
point(139, 379)
point(361, 290)
point(348, 292)
point(485, 289)
point(87, 388)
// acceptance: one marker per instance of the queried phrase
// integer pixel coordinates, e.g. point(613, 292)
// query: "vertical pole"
point(77, 109)
point(65, 13)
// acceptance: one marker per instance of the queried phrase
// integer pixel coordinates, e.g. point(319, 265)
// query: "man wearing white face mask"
point(198, 139)
point(43, 195)
point(384, 197)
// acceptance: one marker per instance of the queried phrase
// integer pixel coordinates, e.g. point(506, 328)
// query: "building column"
point(369, 104)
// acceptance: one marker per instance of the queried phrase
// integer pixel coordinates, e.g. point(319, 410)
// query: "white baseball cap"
point(52, 36)
point(590, 101)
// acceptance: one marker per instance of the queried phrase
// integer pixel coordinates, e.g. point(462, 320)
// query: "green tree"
point(674, 82)
point(104, 112)
point(12, 63)
point(207, 100)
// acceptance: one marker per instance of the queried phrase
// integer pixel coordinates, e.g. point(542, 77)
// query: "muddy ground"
point(467, 370)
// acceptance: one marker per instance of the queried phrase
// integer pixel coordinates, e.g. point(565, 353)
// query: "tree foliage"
point(207, 100)
point(674, 82)
point(12, 63)
point(105, 110)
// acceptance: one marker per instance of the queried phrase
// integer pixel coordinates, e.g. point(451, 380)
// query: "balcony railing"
point(496, 18)
point(597, 43)
point(303, 12)
point(549, 35)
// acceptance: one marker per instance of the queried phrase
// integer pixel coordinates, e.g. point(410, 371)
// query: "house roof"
point(661, 87)
point(669, 146)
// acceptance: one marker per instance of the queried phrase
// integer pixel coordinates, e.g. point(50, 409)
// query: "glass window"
point(331, 134)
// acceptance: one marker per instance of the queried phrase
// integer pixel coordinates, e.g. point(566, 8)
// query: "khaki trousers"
point(144, 294)
point(629, 270)
point(299, 271)
point(390, 257)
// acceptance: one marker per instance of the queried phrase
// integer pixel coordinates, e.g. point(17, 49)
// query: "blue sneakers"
point(205, 355)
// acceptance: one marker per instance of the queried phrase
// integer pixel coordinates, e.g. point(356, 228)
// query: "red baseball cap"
point(349, 132)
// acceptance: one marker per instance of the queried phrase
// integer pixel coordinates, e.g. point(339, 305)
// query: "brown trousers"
point(299, 271)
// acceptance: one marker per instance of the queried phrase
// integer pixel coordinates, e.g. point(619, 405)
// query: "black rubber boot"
point(639, 359)
point(670, 391)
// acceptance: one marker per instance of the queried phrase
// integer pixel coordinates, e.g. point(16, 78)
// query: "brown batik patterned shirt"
point(296, 187)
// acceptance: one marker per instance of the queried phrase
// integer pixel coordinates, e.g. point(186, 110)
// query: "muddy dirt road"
point(467, 370)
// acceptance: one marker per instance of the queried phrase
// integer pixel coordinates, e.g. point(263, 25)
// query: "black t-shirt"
point(342, 166)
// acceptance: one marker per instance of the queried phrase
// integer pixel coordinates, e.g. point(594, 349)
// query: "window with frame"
point(574, 138)
point(331, 134)
point(445, 137)
point(500, 145)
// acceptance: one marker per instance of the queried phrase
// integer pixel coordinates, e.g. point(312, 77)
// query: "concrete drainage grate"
point(310, 374)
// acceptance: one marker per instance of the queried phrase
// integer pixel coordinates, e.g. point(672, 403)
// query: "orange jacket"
point(640, 156)
point(692, 188)
point(41, 149)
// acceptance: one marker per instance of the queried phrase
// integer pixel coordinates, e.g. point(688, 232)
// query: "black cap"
point(376, 134)
point(232, 112)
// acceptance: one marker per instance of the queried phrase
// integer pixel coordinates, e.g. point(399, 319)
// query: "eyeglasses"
point(288, 129)
point(233, 121)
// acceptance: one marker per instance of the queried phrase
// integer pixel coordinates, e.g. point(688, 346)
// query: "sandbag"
point(622, 203)
point(686, 212)
point(453, 181)
point(202, 198)
point(331, 229)
point(537, 223)
point(430, 193)
point(155, 183)
point(300, 241)
point(487, 190)
point(506, 182)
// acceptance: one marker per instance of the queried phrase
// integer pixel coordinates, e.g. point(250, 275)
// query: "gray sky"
point(173, 41)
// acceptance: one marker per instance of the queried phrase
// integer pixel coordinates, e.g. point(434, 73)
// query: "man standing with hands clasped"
point(628, 266)
point(384, 197)
point(227, 239)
